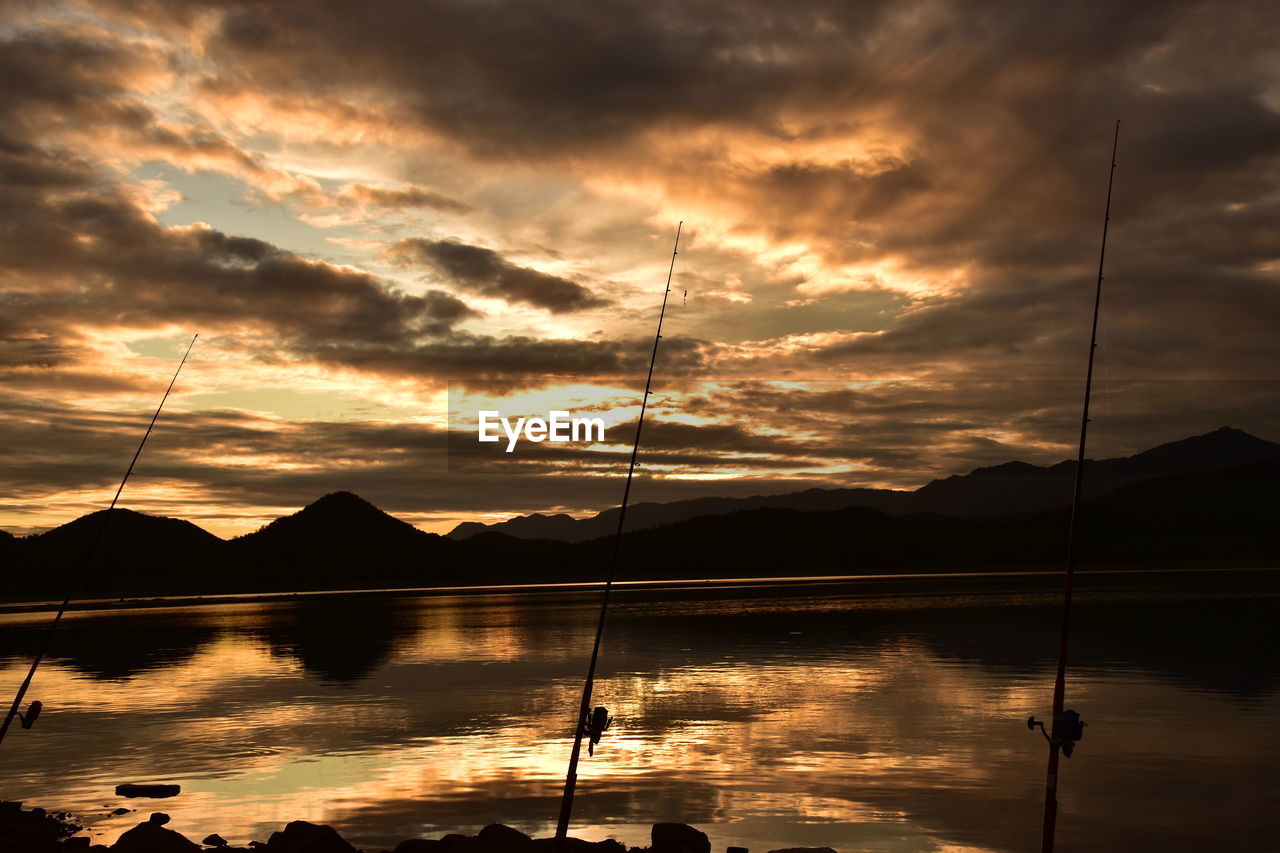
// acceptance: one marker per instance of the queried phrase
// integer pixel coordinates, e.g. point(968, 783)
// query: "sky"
point(891, 212)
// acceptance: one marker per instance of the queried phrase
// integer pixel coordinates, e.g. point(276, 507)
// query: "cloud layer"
point(361, 208)
point(485, 272)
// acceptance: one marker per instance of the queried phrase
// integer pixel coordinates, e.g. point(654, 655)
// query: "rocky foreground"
point(38, 831)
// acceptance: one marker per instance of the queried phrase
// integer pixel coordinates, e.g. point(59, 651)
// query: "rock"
point(158, 818)
point(135, 789)
point(153, 838)
point(610, 845)
point(578, 845)
point(678, 838)
point(121, 810)
point(419, 845)
point(504, 839)
point(736, 850)
point(214, 840)
point(79, 842)
point(804, 850)
point(299, 836)
point(457, 843)
point(32, 831)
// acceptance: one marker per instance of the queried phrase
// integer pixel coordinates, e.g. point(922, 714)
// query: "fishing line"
point(1067, 728)
point(580, 722)
point(29, 718)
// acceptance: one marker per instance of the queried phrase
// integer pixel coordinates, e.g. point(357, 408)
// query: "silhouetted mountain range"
point(1209, 500)
point(327, 539)
point(997, 490)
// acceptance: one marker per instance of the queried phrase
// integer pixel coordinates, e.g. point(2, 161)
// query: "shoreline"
point(36, 830)
point(776, 582)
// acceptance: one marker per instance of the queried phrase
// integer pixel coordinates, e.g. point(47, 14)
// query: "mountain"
point(984, 492)
point(1214, 519)
point(1225, 447)
point(1018, 487)
point(1181, 504)
point(1202, 515)
point(136, 551)
point(338, 541)
point(640, 516)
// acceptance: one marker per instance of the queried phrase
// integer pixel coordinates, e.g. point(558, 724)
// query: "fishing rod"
point(580, 722)
point(29, 718)
point(1067, 727)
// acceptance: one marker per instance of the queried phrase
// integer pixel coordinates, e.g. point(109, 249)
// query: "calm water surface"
point(861, 717)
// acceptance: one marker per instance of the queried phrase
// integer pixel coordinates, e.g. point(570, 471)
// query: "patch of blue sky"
point(219, 200)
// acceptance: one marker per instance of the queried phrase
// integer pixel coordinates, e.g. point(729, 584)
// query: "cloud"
point(87, 255)
point(82, 252)
point(231, 469)
point(401, 197)
point(875, 190)
point(962, 146)
point(487, 273)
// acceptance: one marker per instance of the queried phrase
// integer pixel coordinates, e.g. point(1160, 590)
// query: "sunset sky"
point(892, 213)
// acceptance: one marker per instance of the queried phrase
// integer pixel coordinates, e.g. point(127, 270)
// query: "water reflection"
point(112, 647)
point(862, 719)
point(339, 641)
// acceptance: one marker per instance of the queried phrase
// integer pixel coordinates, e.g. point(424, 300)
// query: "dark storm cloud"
point(487, 273)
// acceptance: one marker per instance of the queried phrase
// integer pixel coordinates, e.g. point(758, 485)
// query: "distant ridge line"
point(1004, 488)
point(1219, 449)
point(1210, 519)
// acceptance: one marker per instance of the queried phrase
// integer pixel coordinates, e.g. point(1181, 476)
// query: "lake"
point(861, 715)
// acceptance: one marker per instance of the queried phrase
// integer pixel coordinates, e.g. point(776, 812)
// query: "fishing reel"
point(28, 719)
point(594, 726)
point(1067, 729)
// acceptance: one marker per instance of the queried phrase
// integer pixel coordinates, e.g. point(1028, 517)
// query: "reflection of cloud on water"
point(454, 629)
point(227, 665)
point(796, 721)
